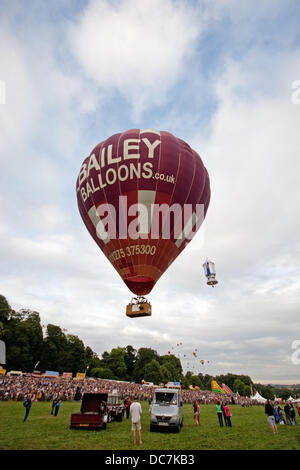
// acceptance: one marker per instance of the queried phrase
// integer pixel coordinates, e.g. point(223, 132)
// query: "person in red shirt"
point(127, 404)
point(228, 415)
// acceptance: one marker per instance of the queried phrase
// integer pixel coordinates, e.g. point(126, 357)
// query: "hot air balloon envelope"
point(142, 195)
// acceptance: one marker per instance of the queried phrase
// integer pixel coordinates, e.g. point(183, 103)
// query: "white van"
point(166, 410)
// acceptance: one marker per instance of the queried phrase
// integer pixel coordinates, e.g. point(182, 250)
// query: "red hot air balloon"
point(142, 195)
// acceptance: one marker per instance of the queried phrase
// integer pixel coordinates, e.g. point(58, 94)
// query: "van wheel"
point(177, 429)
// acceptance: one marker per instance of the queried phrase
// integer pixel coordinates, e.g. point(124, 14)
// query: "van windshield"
point(165, 398)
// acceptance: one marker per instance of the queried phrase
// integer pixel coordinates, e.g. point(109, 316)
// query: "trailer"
point(93, 412)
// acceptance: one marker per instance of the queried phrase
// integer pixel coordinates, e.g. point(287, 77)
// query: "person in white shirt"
point(135, 412)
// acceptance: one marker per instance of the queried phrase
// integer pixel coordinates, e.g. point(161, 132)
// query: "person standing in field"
point(224, 414)
point(287, 414)
point(220, 414)
point(280, 414)
point(292, 414)
point(57, 406)
point(196, 409)
point(136, 411)
point(227, 415)
point(54, 401)
point(27, 403)
point(127, 404)
point(269, 411)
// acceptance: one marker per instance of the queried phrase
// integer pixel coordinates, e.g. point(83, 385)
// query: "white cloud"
point(138, 48)
point(20, 109)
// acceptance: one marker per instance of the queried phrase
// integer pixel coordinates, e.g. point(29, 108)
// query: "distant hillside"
point(290, 387)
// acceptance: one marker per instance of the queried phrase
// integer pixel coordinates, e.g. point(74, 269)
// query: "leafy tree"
point(284, 393)
point(130, 359)
point(18, 346)
point(23, 336)
point(245, 379)
point(35, 336)
point(229, 379)
point(196, 382)
point(91, 359)
point(189, 376)
point(116, 363)
point(267, 392)
point(238, 387)
point(105, 359)
point(54, 351)
point(166, 374)
point(207, 381)
point(152, 372)
point(185, 383)
point(144, 356)
point(173, 364)
point(102, 373)
point(74, 355)
point(5, 310)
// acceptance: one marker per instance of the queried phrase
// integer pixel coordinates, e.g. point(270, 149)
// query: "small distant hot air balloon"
point(123, 187)
point(202, 362)
point(210, 273)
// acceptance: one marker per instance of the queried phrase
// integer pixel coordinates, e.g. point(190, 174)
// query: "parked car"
point(166, 410)
point(115, 408)
point(93, 412)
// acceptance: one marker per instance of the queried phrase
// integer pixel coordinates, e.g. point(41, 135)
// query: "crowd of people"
point(43, 388)
point(278, 415)
point(30, 388)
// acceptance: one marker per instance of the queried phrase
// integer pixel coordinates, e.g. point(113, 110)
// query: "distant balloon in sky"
point(142, 195)
point(210, 273)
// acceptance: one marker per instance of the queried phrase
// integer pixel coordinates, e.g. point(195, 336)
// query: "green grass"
point(43, 431)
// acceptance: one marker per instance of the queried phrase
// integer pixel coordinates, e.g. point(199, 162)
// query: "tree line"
point(27, 346)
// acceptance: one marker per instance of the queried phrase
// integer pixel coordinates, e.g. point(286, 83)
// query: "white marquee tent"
point(258, 398)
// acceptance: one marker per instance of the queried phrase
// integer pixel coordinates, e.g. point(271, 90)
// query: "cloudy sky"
point(220, 74)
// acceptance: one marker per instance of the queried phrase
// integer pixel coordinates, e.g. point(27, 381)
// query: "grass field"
point(43, 431)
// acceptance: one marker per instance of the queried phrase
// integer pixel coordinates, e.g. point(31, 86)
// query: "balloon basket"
point(139, 307)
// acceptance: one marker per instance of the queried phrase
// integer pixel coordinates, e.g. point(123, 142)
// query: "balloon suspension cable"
point(139, 300)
